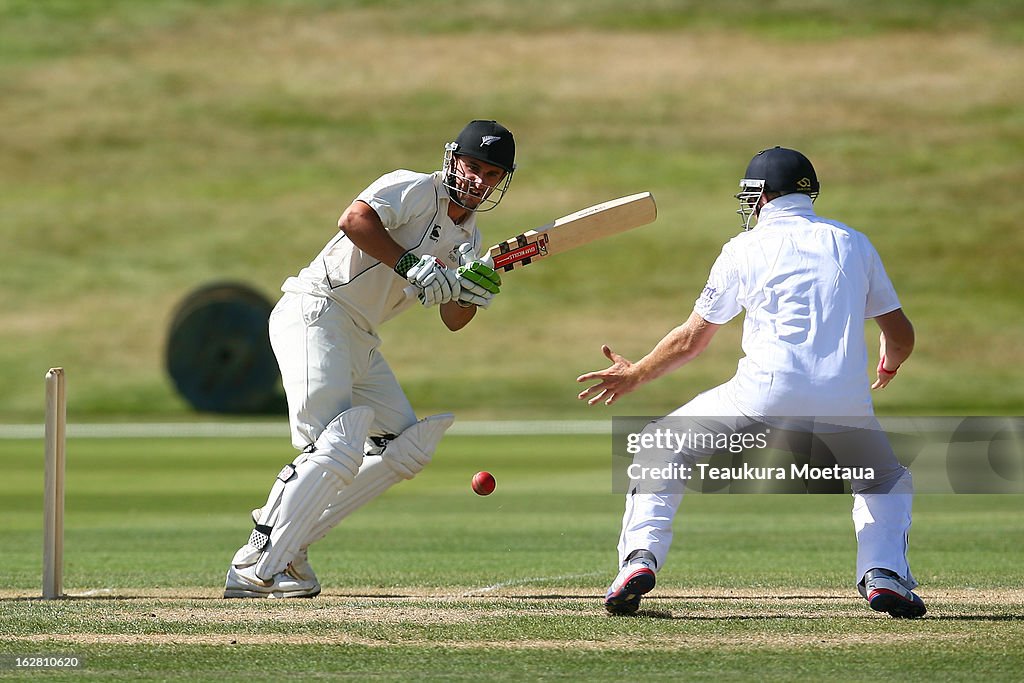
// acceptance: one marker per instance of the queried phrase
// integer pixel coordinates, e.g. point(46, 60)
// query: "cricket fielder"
point(807, 284)
point(357, 432)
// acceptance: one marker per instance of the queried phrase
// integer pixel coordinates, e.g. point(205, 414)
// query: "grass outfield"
point(434, 582)
point(150, 147)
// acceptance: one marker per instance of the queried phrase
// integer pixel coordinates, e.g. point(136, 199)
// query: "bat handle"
point(410, 291)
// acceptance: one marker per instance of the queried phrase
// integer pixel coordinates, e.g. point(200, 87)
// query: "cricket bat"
point(568, 232)
point(579, 228)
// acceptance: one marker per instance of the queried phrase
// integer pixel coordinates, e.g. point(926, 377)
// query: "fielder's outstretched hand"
point(618, 380)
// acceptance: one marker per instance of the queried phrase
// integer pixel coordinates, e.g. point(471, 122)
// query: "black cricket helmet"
point(776, 170)
point(490, 142)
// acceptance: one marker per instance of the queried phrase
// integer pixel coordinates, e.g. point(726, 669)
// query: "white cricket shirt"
point(807, 285)
point(414, 209)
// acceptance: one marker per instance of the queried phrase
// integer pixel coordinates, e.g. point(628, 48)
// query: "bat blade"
point(574, 230)
point(571, 231)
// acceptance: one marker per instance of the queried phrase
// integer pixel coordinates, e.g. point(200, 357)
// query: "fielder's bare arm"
point(684, 343)
point(354, 427)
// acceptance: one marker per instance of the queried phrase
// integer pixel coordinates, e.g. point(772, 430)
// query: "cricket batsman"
point(354, 427)
point(806, 284)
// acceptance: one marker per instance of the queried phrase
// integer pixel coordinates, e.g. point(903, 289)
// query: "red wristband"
point(883, 371)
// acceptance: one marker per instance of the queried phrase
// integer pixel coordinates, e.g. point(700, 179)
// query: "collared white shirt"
point(807, 284)
point(414, 209)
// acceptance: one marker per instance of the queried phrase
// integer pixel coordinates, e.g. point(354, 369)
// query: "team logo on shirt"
point(435, 233)
point(709, 292)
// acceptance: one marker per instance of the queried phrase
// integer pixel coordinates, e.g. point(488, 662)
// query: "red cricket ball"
point(483, 483)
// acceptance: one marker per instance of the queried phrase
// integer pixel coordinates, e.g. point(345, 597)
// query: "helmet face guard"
point(749, 197)
point(776, 171)
point(460, 186)
point(486, 141)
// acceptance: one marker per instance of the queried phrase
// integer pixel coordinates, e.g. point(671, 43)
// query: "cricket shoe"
point(635, 579)
point(885, 591)
point(242, 582)
point(299, 566)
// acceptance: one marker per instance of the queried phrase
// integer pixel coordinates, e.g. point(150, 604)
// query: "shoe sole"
point(242, 593)
point(896, 605)
point(627, 599)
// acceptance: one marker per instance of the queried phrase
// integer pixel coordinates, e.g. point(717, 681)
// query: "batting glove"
point(436, 282)
point(478, 280)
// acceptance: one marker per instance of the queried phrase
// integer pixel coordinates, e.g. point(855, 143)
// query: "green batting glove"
point(482, 275)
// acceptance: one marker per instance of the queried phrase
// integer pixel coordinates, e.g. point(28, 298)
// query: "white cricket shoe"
point(299, 565)
point(885, 591)
point(301, 568)
point(242, 582)
point(635, 579)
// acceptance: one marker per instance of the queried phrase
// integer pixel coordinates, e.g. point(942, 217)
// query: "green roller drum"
point(218, 351)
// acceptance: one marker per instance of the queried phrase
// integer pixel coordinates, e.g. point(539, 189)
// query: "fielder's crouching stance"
point(807, 285)
point(350, 418)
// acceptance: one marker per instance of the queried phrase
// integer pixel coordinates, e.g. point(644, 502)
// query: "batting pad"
point(341, 442)
point(374, 478)
point(260, 536)
point(403, 458)
point(298, 500)
point(411, 451)
point(301, 503)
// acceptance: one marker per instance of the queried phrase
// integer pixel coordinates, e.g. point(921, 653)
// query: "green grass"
point(153, 147)
point(980, 650)
point(434, 582)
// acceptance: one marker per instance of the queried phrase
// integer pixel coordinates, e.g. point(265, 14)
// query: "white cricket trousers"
point(881, 507)
point(328, 365)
